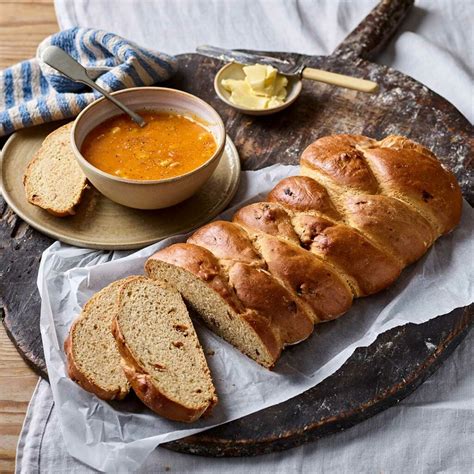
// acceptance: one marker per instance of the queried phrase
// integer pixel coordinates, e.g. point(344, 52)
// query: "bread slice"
point(195, 273)
point(161, 354)
point(92, 354)
point(53, 180)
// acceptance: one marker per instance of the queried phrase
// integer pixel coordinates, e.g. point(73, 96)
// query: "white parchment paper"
point(120, 435)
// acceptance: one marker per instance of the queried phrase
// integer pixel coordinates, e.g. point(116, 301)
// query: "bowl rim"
point(212, 158)
point(276, 108)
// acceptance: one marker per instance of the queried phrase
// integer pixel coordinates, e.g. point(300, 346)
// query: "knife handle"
point(340, 80)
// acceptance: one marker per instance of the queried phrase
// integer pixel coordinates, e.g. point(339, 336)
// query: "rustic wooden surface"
point(17, 382)
point(23, 24)
point(403, 106)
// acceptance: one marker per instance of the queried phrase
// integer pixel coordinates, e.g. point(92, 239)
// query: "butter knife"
point(289, 68)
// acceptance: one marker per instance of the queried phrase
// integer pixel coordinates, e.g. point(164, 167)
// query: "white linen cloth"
point(432, 430)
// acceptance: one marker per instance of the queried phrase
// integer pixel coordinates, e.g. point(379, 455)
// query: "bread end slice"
point(93, 360)
point(76, 374)
point(53, 180)
point(161, 354)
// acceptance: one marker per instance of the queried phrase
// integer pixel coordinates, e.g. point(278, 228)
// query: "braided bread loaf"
point(361, 211)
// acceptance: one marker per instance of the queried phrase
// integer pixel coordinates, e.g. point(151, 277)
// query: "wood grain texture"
point(23, 24)
point(17, 382)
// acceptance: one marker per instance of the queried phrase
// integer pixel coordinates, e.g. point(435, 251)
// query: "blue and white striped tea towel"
point(31, 92)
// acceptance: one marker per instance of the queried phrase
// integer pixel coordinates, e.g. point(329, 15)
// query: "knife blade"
point(234, 55)
point(289, 68)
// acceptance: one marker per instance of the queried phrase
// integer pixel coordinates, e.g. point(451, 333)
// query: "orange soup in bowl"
point(169, 145)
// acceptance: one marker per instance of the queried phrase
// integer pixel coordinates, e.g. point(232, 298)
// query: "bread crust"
point(226, 241)
point(426, 185)
point(301, 193)
point(339, 159)
point(315, 282)
point(201, 263)
point(146, 390)
point(394, 166)
point(267, 217)
point(277, 309)
point(276, 305)
point(394, 225)
point(369, 269)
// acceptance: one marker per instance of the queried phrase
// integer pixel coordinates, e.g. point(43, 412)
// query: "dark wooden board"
point(367, 383)
point(372, 380)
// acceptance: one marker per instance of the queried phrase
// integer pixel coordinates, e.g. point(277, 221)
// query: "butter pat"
point(262, 88)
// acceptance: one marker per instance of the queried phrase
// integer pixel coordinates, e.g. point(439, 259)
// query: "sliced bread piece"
point(53, 180)
point(161, 354)
point(92, 354)
point(195, 273)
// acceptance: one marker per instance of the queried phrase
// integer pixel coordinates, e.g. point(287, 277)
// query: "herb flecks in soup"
point(169, 145)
